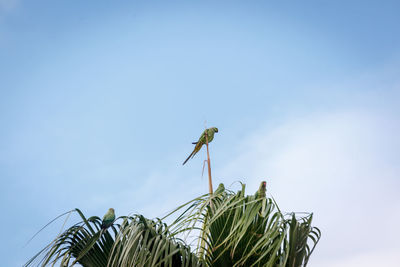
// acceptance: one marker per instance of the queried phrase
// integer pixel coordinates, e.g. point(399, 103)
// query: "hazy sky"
point(99, 104)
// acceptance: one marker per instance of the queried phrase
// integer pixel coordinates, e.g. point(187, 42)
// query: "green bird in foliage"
point(220, 189)
point(202, 140)
point(261, 190)
point(108, 219)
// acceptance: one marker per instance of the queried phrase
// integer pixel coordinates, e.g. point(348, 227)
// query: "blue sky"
point(99, 104)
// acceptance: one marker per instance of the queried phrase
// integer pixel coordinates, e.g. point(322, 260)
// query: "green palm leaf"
point(224, 229)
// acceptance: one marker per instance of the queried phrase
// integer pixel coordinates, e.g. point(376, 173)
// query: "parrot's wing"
point(107, 220)
point(109, 216)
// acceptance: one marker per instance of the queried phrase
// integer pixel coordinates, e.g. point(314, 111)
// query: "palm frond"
point(300, 233)
point(84, 242)
point(228, 228)
point(146, 243)
point(236, 230)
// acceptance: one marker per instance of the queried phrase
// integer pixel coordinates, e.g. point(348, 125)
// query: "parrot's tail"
point(188, 158)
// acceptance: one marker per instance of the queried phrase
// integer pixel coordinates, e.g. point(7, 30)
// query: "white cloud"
point(387, 258)
point(343, 166)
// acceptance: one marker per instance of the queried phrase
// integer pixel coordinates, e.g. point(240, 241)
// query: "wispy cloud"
point(343, 166)
point(387, 258)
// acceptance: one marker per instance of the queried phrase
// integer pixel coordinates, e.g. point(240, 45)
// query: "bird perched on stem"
point(108, 219)
point(202, 140)
point(261, 190)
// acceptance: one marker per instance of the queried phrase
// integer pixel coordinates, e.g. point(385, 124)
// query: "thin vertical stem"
point(210, 187)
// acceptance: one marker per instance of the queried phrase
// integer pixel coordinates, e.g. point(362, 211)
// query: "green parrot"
point(202, 140)
point(220, 189)
point(108, 219)
point(261, 190)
